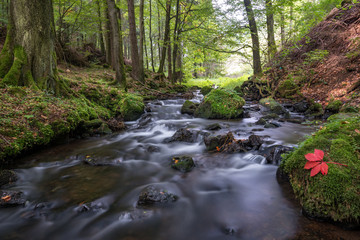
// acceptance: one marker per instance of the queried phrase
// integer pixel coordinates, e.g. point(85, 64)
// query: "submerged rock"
point(213, 127)
point(154, 195)
point(273, 155)
point(10, 198)
point(7, 177)
point(183, 135)
point(183, 163)
point(221, 104)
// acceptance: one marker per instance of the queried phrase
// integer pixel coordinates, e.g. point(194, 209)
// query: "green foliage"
point(315, 56)
point(221, 104)
point(334, 106)
point(287, 89)
point(223, 82)
point(334, 195)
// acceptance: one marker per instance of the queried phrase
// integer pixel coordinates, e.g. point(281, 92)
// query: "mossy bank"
point(31, 118)
point(335, 196)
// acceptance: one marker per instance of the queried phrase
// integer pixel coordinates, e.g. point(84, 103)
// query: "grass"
point(224, 82)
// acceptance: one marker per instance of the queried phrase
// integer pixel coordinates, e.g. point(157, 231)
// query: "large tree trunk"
point(108, 39)
point(166, 36)
point(254, 37)
point(137, 71)
point(176, 38)
point(28, 57)
point(142, 35)
point(117, 50)
point(101, 37)
point(270, 29)
point(282, 26)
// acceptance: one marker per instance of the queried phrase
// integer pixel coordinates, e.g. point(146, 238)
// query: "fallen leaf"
point(176, 161)
point(356, 130)
point(6, 198)
point(315, 170)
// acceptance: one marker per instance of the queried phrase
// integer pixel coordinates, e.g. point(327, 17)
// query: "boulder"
point(10, 198)
point(131, 107)
point(155, 195)
point(221, 104)
point(272, 105)
point(188, 107)
point(183, 163)
point(183, 135)
point(211, 142)
point(273, 155)
point(7, 177)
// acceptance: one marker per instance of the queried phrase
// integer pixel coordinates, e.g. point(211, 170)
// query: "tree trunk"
point(254, 37)
point(117, 51)
point(101, 37)
point(270, 29)
point(28, 57)
point(170, 75)
point(176, 42)
point(166, 36)
point(151, 40)
point(137, 70)
point(282, 26)
point(108, 39)
point(142, 35)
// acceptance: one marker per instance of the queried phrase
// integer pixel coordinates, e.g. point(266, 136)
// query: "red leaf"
point(315, 170)
point(312, 157)
point(310, 164)
point(324, 168)
point(319, 153)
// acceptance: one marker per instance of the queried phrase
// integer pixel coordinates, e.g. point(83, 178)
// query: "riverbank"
point(31, 119)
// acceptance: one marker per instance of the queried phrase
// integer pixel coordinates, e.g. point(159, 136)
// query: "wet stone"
point(211, 142)
point(96, 161)
point(152, 149)
point(183, 163)
point(261, 121)
point(273, 154)
point(7, 177)
point(11, 198)
point(272, 125)
point(213, 127)
point(154, 195)
point(183, 135)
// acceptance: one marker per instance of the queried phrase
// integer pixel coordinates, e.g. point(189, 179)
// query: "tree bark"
point(150, 36)
point(137, 70)
point(108, 39)
point(166, 36)
point(28, 57)
point(270, 29)
point(176, 38)
point(116, 44)
point(254, 37)
point(170, 75)
point(142, 35)
point(282, 26)
point(101, 37)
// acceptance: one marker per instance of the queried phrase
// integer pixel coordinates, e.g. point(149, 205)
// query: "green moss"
point(6, 55)
point(315, 110)
point(13, 76)
point(287, 89)
point(221, 104)
point(272, 105)
point(131, 107)
point(334, 106)
point(335, 195)
point(205, 90)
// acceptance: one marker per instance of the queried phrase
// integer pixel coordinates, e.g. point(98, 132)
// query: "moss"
point(315, 110)
point(188, 107)
point(333, 196)
point(6, 55)
point(272, 105)
point(287, 89)
point(13, 76)
point(205, 90)
point(221, 104)
point(131, 107)
point(334, 106)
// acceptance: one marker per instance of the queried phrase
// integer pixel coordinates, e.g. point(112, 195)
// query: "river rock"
point(273, 154)
point(145, 120)
point(254, 142)
point(183, 135)
point(261, 121)
point(272, 125)
point(301, 107)
point(153, 148)
point(10, 198)
point(7, 177)
point(211, 142)
point(188, 107)
point(221, 104)
point(155, 195)
point(95, 161)
point(213, 127)
point(272, 105)
point(183, 163)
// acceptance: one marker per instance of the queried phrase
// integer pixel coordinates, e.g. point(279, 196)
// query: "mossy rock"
point(334, 196)
point(131, 107)
point(221, 104)
point(205, 90)
point(334, 106)
point(315, 110)
point(238, 90)
point(287, 89)
point(349, 109)
point(183, 163)
point(272, 105)
point(188, 107)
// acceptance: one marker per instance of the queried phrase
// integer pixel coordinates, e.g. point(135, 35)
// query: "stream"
point(226, 196)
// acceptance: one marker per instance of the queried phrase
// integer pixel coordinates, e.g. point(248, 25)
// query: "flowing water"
point(226, 196)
